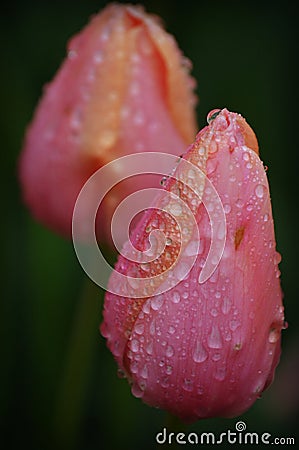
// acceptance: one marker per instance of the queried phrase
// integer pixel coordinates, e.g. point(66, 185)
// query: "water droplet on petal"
point(226, 305)
point(188, 385)
point(277, 258)
point(274, 335)
point(212, 115)
point(138, 389)
point(168, 241)
point(260, 190)
point(220, 373)
point(199, 354)
point(234, 324)
point(214, 339)
point(227, 208)
point(157, 302)
point(169, 351)
point(134, 346)
point(175, 297)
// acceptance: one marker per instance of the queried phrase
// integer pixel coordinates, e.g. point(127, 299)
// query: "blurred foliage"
point(59, 387)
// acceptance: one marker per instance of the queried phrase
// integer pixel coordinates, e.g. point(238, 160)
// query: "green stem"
point(77, 369)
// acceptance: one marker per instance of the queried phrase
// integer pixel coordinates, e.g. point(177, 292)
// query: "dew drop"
point(266, 217)
point(212, 115)
point(213, 147)
point(239, 203)
point(220, 373)
point(201, 151)
point(227, 208)
point(199, 354)
point(72, 54)
point(134, 346)
point(139, 328)
point(175, 297)
point(168, 241)
point(138, 389)
point(169, 351)
point(144, 371)
point(277, 258)
point(168, 370)
point(214, 312)
point(274, 335)
point(157, 302)
point(216, 357)
point(260, 190)
point(149, 348)
point(226, 305)
point(188, 385)
point(245, 156)
point(214, 339)
point(171, 329)
point(234, 324)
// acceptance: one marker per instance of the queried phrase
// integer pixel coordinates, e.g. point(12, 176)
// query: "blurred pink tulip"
point(123, 88)
point(204, 349)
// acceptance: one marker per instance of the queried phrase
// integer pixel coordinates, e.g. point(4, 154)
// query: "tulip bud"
point(204, 341)
point(123, 88)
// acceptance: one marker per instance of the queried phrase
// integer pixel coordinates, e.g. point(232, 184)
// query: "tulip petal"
point(207, 349)
point(123, 84)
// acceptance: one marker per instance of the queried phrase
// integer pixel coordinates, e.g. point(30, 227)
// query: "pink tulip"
point(123, 88)
point(205, 347)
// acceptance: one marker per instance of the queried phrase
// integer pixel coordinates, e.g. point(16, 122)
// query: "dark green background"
point(59, 387)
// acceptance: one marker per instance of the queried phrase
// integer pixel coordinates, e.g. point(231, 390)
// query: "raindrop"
point(266, 217)
point(134, 346)
point(201, 151)
point(277, 258)
point(216, 357)
point(245, 156)
point(168, 241)
point(214, 339)
point(227, 208)
point(188, 385)
point(157, 302)
point(144, 372)
point(234, 324)
point(169, 370)
point(149, 348)
point(212, 115)
point(260, 190)
point(138, 389)
point(171, 329)
point(226, 305)
point(176, 297)
point(220, 373)
point(169, 351)
point(274, 335)
point(213, 147)
point(214, 312)
point(139, 328)
point(239, 203)
point(72, 54)
point(200, 354)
